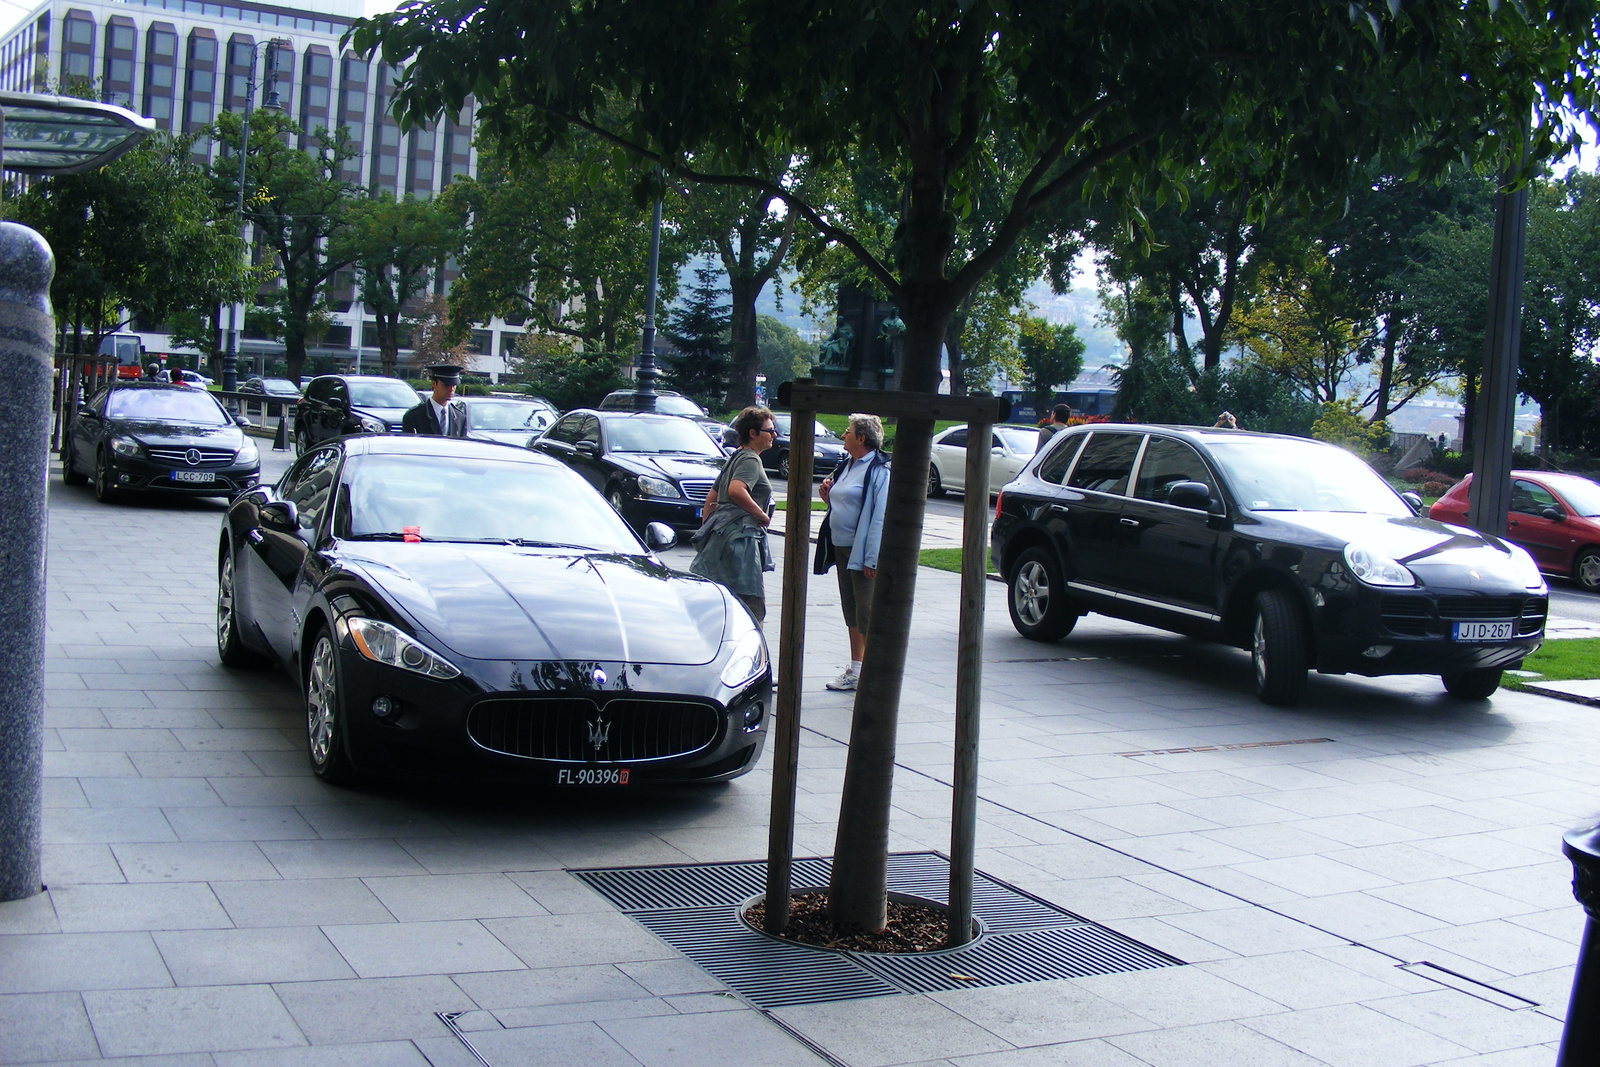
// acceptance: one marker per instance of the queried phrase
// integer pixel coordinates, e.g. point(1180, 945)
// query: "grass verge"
point(816, 505)
point(948, 559)
point(1562, 660)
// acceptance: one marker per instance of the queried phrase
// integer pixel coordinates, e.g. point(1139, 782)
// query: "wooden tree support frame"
point(805, 400)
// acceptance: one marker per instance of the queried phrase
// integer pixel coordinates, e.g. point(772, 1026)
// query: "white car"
point(1010, 449)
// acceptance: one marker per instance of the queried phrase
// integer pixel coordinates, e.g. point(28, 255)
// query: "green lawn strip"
point(837, 424)
point(948, 559)
point(816, 505)
point(1561, 660)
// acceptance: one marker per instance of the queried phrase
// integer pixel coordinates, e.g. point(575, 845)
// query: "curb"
point(1571, 698)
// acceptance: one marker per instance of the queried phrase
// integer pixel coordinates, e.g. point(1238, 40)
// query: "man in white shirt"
point(440, 414)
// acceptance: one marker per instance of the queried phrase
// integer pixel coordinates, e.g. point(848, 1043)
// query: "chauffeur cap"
point(448, 373)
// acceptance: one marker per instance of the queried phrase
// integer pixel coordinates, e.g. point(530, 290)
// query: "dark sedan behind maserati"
point(653, 468)
point(1293, 549)
point(464, 610)
point(148, 436)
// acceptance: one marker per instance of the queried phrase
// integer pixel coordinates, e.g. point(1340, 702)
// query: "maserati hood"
point(508, 603)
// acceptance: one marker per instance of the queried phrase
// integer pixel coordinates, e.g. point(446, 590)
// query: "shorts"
point(855, 590)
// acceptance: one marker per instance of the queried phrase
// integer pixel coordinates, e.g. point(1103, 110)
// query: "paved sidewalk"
point(211, 903)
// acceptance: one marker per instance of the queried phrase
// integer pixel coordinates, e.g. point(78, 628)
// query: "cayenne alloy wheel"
point(1278, 648)
point(1040, 610)
point(1476, 684)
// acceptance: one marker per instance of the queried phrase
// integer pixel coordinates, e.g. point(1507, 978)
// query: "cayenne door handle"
point(254, 537)
point(1128, 522)
point(1060, 509)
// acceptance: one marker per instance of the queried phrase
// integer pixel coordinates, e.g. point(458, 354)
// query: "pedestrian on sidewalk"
point(731, 542)
point(1055, 423)
point(855, 494)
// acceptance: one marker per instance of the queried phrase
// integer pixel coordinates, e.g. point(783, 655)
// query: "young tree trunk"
point(744, 356)
point(857, 891)
point(1391, 322)
point(1469, 409)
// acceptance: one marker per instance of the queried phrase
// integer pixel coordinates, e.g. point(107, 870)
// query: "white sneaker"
point(845, 682)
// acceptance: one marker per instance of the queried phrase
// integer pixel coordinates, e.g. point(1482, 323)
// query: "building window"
point(80, 31)
point(121, 70)
point(161, 77)
point(122, 38)
point(164, 44)
point(200, 112)
point(202, 49)
point(159, 107)
point(77, 65)
point(201, 81)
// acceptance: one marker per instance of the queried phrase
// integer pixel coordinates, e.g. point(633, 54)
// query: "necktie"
point(444, 420)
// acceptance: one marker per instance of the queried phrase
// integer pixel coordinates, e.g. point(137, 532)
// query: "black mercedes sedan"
point(150, 436)
point(1293, 549)
point(457, 609)
point(335, 405)
point(653, 468)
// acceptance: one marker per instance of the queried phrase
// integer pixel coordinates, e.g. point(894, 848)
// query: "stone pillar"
point(27, 345)
point(1580, 1038)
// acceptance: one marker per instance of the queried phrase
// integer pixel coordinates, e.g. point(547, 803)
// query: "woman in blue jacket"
point(856, 494)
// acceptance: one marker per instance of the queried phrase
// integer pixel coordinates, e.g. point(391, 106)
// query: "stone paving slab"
point(213, 904)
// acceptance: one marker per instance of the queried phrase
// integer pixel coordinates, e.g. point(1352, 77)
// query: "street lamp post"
point(230, 358)
point(645, 396)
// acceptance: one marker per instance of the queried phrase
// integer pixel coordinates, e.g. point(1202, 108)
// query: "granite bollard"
point(27, 347)
point(1580, 1038)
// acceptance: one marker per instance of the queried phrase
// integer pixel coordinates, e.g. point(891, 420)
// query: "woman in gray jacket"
point(856, 494)
point(732, 539)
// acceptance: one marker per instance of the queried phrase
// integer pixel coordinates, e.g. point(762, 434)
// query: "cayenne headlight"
point(657, 487)
point(370, 424)
point(248, 453)
point(1376, 569)
point(125, 446)
point(382, 643)
point(1526, 570)
point(749, 656)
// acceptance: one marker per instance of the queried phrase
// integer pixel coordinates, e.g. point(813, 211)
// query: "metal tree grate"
point(695, 909)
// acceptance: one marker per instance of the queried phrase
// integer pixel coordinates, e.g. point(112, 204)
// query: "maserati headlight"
point(382, 643)
point(749, 656)
point(1526, 570)
point(125, 446)
point(370, 424)
point(1376, 569)
point(657, 487)
point(248, 453)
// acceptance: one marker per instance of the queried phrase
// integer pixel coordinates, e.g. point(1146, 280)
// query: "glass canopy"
point(63, 135)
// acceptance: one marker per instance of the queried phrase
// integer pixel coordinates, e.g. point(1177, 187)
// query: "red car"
point(1556, 517)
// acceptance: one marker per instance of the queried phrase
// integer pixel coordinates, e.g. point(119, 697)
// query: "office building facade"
point(182, 62)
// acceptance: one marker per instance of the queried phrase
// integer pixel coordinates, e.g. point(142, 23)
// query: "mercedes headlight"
point(370, 424)
point(248, 453)
point(657, 487)
point(125, 446)
point(1376, 569)
point(382, 643)
point(1526, 570)
point(749, 656)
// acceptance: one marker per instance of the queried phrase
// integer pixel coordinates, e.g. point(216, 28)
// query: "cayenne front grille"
point(1479, 607)
point(205, 457)
point(1416, 616)
point(580, 730)
point(696, 488)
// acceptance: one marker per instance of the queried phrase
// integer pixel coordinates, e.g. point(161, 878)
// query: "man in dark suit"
point(439, 415)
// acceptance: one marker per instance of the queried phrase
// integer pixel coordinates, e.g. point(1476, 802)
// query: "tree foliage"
point(397, 248)
point(1125, 99)
point(298, 206)
point(140, 235)
point(698, 330)
point(1051, 357)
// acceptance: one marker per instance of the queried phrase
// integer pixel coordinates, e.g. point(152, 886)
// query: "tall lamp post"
point(230, 358)
point(644, 398)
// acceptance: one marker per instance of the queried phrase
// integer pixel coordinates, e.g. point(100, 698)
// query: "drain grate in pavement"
point(1230, 748)
point(695, 909)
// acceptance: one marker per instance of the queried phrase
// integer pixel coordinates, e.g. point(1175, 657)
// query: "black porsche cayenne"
point(459, 609)
point(1293, 549)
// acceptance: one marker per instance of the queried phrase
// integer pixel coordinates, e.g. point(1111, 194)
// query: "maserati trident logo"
point(599, 730)
point(599, 677)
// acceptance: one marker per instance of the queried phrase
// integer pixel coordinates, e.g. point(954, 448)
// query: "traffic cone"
point(281, 442)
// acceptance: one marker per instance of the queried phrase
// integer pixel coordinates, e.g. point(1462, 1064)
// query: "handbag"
point(822, 562)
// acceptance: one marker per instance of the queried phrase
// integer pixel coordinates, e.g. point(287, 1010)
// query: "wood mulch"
point(912, 927)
